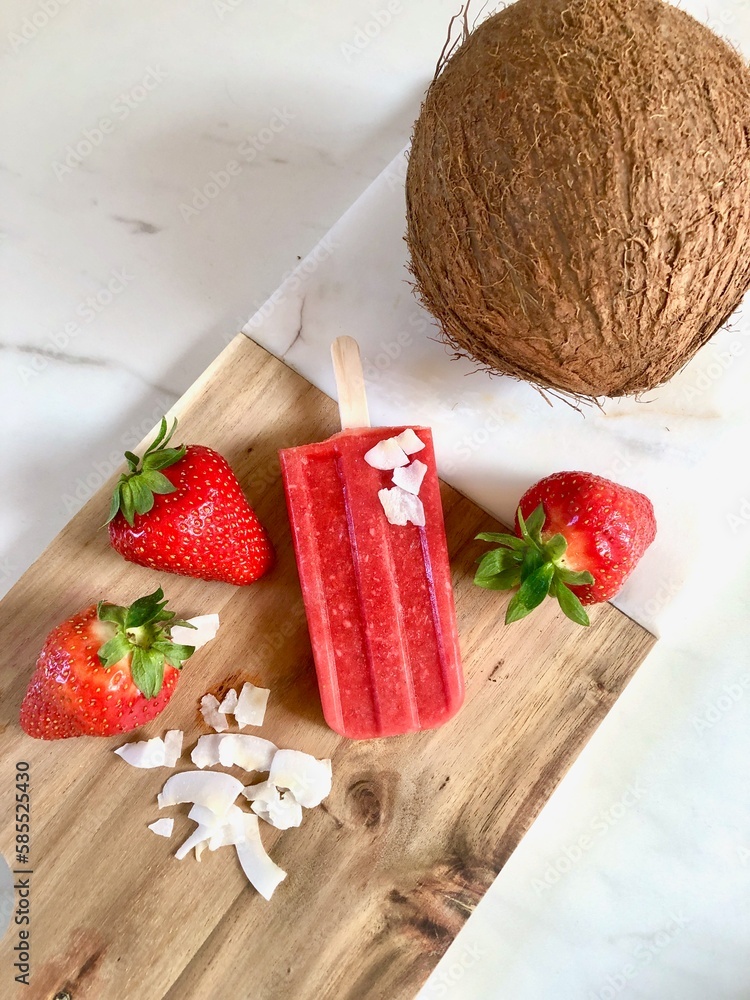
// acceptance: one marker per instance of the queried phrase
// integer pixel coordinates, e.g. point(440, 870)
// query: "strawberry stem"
point(136, 488)
point(142, 631)
point(534, 566)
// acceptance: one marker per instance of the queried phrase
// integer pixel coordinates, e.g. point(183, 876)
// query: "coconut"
point(578, 193)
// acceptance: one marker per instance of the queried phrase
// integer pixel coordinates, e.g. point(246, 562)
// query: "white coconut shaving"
point(408, 441)
point(410, 477)
point(206, 750)
point(156, 752)
point(206, 627)
point(228, 831)
point(162, 827)
point(306, 777)
point(251, 706)
point(173, 747)
point(295, 780)
point(401, 507)
point(199, 836)
point(215, 790)
point(145, 753)
point(386, 455)
point(211, 713)
point(203, 816)
point(229, 703)
point(259, 869)
point(238, 829)
point(278, 808)
point(251, 753)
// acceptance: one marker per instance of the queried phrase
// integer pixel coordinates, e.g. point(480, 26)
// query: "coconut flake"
point(283, 814)
point(211, 714)
point(213, 789)
point(386, 455)
point(306, 777)
point(204, 816)
point(228, 831)
point(251, 753)
point(279, 809)
point(229, 703)
point(162, 827)
point(145, 753)
point(172, 747)
point(251, 706)
point(264, 791)
point(409, 442)
point(199, 836)
point(401, 507)
point(260, 870)
point(410, 477)
point(206, 627)
point(206, 750)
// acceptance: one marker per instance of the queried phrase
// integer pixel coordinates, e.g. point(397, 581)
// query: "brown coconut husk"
point(578, 193)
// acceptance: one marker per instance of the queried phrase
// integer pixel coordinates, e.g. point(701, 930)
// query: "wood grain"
point(385, 874)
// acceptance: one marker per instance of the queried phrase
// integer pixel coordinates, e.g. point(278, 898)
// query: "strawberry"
point(181, 510)
point(106, 670)
point(578, 538)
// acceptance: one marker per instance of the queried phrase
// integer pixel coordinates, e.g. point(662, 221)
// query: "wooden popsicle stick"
point(350, 382)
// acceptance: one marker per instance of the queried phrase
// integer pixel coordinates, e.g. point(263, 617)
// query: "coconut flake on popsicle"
point(401, 507)
point(386, 455)
point(410, 477)
point(408, 441)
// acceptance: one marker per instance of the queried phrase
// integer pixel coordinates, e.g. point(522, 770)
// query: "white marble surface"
point(635, 880)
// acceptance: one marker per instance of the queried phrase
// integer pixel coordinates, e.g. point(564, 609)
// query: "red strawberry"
point(106, 670)
point(578, 538)
point(183, 511)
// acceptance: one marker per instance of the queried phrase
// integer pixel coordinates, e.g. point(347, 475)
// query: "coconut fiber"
point(578, 193)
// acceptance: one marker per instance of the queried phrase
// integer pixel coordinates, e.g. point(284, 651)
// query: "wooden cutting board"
point(383, 876)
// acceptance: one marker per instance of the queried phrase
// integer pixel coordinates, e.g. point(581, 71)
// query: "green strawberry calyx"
point(134, 493)
point(536, 567)
point(142, 631)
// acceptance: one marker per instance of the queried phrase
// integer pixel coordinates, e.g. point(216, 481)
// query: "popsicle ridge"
point(357, 564)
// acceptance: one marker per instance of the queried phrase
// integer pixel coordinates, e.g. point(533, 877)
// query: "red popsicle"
point(377, 594)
